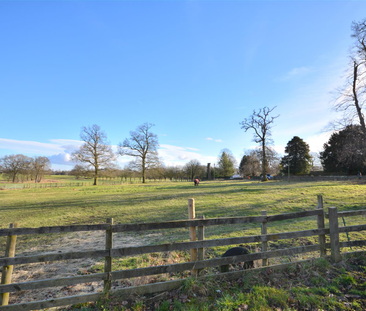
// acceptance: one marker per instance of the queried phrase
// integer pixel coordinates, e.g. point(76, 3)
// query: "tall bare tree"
point(95, 153)
point(261, 123)
point(351, 97)
point(142, 145)
point(359, 33)
point(39, 167)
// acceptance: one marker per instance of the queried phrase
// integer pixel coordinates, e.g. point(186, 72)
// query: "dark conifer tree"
point(297, 157)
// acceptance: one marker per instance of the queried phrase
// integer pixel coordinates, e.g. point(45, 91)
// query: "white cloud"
point(317, 141)
point(175, 155)
point(59, 151)
point(297, 72)
point(61, 158)
point(68, 144)
point(216, 140)
point(30, 147)
point(279, 149)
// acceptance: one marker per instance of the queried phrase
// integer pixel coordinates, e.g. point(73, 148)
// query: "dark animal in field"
point(196, 182)
point(236, 251)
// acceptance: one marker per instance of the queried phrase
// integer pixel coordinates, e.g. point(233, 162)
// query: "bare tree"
point(250, 164)
point(359, 33)
point(351, 97)
point(142, 145)
point(193, 169)
point(95, 153)
point(174, 172)
point(261, 123)
point(39, 167)
point(15, 165)
point(273, 160)
point(80, 171)
point(315, 162)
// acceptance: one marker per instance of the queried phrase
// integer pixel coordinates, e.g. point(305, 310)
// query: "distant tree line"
point(22, 168)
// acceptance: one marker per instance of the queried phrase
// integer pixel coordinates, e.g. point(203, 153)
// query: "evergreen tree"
point(345, 151)
point(226, 163)
point(298, 156)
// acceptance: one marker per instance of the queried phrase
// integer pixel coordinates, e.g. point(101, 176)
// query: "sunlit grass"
point(164, 201)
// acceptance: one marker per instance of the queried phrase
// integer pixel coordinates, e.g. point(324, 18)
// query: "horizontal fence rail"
point(138, 250)
point(352, 228)
point(172, 268)
point(196, 265)
point(349, 213)
point(161, 225)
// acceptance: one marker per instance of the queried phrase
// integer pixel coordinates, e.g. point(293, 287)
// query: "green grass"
point(163, 201)
point(168, 201)
point(289, 289)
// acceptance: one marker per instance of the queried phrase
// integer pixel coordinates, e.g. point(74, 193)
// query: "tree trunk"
point(95, 177)
point(143, 170)
point(355, 96)
point(264, 161)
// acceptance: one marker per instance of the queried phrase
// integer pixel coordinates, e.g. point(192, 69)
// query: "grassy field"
point(309, 285)
point(163, 201)
point(55, 181)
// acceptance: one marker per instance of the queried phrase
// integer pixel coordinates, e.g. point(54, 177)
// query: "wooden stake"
point(8, 270)
point(334, 235)
point(321, 225)
point(201, 237)
point(192, 231)
point(264, 244)
point(108, 259)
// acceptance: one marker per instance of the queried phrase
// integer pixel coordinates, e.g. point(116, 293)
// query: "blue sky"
point(193, 68)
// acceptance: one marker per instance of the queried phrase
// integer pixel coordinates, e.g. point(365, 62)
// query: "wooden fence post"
point(334, 234)
point(192, 232)
point(201, 237)
point(8, 270)
point(321, 225)
point(108, 259)
point(264, 244)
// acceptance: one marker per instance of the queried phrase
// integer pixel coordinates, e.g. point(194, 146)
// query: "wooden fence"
point(196, 246)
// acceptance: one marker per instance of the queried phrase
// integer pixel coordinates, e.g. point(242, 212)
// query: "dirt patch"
point(80, 241)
